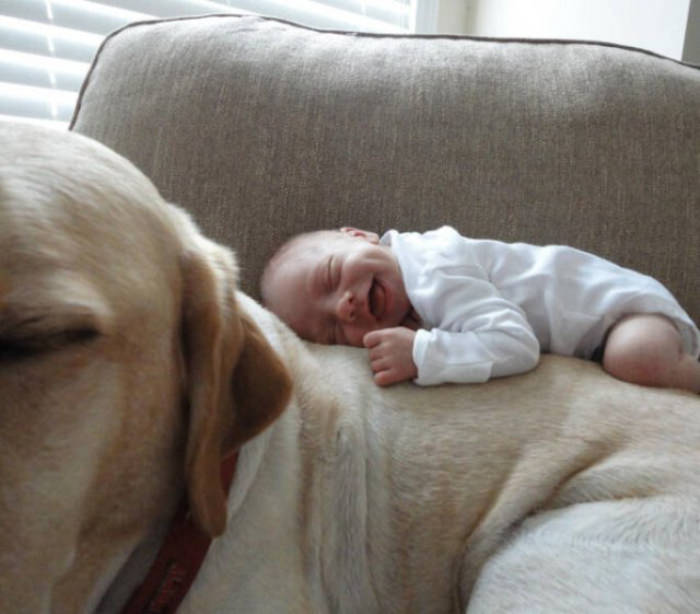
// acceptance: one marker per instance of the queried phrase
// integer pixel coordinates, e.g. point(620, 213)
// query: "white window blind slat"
point(328, 15)
point(36, 102)
point(175, 8)
point(41, 71)
point(78, 15)
point(46, 46)
point(58, 42)
point(38, 122)
point(390, 13)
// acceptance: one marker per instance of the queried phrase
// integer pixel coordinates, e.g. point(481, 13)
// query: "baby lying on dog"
point(439, 307)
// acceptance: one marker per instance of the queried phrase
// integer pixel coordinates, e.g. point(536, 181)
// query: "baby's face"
point(336, 288)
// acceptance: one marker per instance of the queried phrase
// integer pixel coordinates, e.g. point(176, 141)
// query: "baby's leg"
point(646, 349)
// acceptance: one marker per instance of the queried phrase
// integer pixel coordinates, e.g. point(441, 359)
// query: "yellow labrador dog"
point(129, 366)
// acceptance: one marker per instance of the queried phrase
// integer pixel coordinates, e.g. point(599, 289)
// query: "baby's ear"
point(367, 235)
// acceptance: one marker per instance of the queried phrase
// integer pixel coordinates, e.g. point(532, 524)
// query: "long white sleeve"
point(478, 340)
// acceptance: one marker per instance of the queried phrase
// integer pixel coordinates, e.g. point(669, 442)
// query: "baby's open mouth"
point(377, 299)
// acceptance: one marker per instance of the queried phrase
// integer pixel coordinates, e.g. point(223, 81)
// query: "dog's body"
point(560, 490)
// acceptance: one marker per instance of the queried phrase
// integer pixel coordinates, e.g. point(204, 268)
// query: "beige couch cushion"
point(263, 129)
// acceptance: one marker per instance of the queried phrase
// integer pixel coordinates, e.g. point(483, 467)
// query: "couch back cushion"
point(263, 129)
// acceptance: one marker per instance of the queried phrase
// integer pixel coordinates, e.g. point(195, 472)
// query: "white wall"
point(455, 16)
point(658, 25)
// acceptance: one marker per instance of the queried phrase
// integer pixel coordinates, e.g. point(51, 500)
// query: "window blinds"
point(46, 46)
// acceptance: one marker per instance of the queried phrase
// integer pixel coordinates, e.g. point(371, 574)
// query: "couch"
point(262, 129)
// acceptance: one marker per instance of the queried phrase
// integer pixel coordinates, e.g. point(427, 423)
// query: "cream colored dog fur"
point(128, 365)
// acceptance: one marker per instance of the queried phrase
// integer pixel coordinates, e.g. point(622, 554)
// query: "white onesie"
point(488, 308)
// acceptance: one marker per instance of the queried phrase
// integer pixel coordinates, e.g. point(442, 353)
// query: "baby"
point(439, 307)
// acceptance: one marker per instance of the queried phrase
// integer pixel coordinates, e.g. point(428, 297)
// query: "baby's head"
point(334, 286)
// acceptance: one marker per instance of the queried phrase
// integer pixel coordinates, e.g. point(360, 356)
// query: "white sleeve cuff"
point(431, 355)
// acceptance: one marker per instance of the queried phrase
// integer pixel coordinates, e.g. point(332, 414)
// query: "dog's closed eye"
point(22, 337)
point(61, 312)
point(23, 343)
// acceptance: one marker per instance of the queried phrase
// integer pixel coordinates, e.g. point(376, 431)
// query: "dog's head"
point(126, 369)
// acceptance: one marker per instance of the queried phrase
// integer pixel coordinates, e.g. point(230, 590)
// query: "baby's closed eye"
point(332, 274)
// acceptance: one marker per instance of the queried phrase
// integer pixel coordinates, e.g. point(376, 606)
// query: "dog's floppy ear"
point(261, 386)
point(236, 383)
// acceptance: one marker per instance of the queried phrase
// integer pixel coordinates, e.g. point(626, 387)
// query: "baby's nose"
point(346, 310)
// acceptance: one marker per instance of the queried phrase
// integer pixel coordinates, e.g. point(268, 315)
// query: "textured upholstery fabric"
point(263, 129)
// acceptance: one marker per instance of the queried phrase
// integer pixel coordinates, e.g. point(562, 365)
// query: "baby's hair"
point(287, 248)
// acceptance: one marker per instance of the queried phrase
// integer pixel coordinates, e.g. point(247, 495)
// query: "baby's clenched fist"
point(391, 354)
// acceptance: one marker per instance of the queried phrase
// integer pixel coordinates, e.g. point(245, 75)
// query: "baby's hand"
point(391, 354)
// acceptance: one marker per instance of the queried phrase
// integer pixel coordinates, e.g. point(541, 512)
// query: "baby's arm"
point(477, 355)
point(502, 345)
point(391, 354)
point(453, 356)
